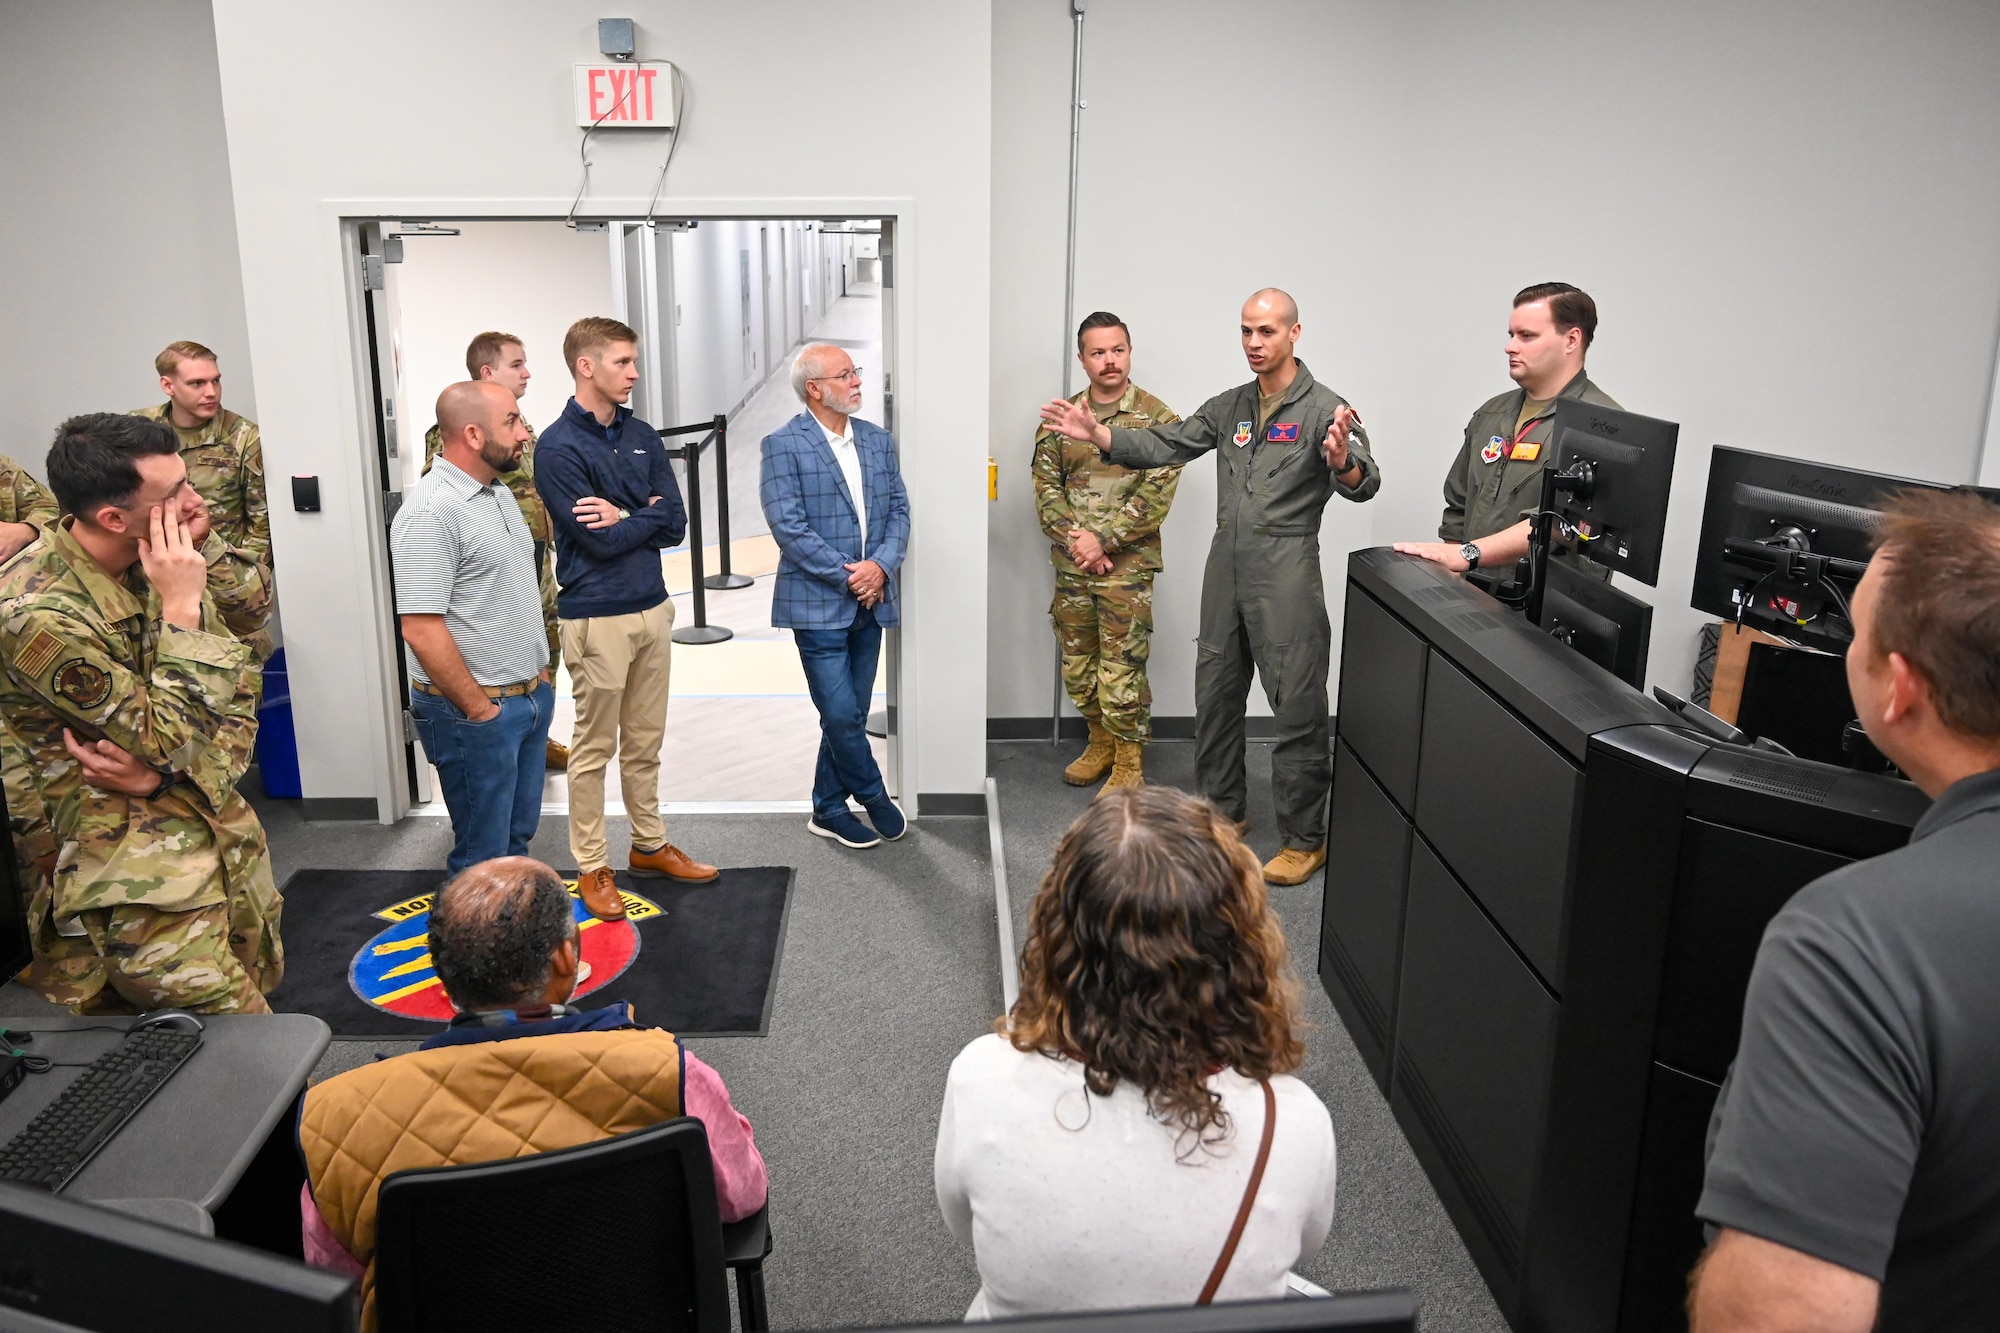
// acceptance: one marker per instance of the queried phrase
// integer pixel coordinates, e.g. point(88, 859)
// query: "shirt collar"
point(831, 438)
point(1963, 799)
point(620, 414)
point(458, 478)
point(113, 598)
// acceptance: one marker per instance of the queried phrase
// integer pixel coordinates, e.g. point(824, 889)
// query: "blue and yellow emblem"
point(1491, 453)
point(393, 970)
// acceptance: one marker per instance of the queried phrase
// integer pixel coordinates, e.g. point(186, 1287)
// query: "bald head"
point(1274, 303)
point(467, 403)
point(496, 446)
point(497, 931)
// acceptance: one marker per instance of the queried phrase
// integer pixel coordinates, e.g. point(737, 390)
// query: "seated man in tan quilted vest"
point(504, 943)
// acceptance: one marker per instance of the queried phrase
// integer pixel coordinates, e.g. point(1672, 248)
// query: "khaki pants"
point(618, 665)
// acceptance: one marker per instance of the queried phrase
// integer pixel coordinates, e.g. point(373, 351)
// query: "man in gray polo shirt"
point(1854, 1157)
point(471, 612)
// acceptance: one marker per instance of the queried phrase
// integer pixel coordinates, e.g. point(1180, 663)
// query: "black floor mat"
point(696, 959)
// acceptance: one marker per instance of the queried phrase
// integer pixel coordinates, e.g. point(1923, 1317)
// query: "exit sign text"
point(624, 96)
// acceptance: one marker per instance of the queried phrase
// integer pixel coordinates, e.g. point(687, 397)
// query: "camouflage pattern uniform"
point(160, 900)
point(1104, 622)
point(22, 498)
point(521, 481)
point(225, 463)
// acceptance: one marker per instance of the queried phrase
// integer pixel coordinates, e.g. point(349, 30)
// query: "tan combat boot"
point(1125, 766)
point(1294, 866)
point(1095, 761)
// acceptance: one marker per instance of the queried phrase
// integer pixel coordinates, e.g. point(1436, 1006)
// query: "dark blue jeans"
point(491, 771)
point(840, 672)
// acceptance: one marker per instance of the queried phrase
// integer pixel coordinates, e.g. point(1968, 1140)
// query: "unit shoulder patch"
point(82, 683)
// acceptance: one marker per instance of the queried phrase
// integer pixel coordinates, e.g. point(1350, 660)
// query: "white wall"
point(532, 279)
point(371, 127)
point(117, 235)
point(1788, 214)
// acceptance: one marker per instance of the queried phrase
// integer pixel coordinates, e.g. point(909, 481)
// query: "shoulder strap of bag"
point(1215, 1275)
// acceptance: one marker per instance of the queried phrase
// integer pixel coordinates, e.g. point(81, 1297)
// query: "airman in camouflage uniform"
point(225, 463)
point(1104, 621)
point(23, 501)
point(155, 900)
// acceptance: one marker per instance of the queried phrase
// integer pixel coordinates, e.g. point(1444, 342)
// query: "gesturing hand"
point(174, 567)
point(595, 512)
point(1076, 421)
point(1345, 419)
point(108, 767)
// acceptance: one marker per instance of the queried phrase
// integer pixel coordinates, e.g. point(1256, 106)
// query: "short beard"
point(506, 462)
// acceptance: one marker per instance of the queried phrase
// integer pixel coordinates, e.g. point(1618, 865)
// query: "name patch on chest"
point(1242, 435)
point(1283, 433)
point(1526, 451)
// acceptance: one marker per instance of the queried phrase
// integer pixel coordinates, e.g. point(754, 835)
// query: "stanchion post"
point(701, 631)
point(723, 577)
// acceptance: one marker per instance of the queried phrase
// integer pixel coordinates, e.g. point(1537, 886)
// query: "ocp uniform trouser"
point(1263, 607)
point(1104, 628)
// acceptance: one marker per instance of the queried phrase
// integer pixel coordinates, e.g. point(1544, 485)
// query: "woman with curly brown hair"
point(1130, 1134)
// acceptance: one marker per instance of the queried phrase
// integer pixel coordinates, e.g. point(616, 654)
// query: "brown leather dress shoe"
point(558, 757)
point(599, 890)
point(670, 862)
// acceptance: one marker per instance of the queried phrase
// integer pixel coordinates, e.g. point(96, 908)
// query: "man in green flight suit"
point(225, 462)
point(25, 507)
point(1292, 444)
point(503, 359)
point(132, 713)
point(1103, 524)
point(1494, 484)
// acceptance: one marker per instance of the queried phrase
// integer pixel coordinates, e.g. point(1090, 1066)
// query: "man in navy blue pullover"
point(611, 494)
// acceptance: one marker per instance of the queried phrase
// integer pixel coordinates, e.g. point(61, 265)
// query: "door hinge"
point(409, 728)
point(372, 277)
point(391, 502)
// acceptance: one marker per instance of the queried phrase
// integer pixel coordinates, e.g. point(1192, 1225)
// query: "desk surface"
point(196, 1136)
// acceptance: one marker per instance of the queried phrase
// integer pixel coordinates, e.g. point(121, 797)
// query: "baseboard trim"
point(1073, 728)
point(950, 803)
point(339, 809)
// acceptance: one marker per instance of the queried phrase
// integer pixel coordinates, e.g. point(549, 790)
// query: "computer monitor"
point(1613, 471)
point(66, 1265)
point(1610, 627)
point(15, 950)
point(1784, 541)
point(1359, 1312)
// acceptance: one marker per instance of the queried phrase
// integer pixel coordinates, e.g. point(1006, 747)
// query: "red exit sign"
point(621, 95)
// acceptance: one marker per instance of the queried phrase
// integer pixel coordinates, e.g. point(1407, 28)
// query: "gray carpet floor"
point(890, 966)
point(1389, 1230)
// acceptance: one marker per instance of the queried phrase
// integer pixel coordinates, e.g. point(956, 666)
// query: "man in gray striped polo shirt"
point(471, 612)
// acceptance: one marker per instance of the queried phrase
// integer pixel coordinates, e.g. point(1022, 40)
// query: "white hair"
point(811, 365)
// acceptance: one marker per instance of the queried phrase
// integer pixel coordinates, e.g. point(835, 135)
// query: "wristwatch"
point(1471, 553)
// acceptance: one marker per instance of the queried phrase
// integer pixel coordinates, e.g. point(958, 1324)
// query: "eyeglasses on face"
point(853, 376)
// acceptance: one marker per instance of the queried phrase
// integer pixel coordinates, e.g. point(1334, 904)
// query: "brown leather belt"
point(490, 691)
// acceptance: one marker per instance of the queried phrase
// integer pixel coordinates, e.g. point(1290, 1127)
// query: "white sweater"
point(1075, 1202)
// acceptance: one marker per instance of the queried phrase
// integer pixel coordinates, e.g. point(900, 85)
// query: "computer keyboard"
point(64, 1134)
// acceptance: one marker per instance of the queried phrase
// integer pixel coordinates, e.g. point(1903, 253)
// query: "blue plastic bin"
point(277, 741)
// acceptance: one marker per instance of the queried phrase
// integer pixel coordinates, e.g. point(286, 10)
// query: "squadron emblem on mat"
point(393, 970)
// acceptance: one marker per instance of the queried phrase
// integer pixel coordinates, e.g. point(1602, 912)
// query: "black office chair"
point(621, 1233)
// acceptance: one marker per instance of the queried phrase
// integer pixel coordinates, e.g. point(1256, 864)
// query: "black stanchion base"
point(727, 581)
point(703, 634)
point(878, 723)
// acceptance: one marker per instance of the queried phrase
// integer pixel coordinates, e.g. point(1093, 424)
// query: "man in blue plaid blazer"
point(835, 502)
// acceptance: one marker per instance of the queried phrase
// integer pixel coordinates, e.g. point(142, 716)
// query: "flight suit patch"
point(82, 684)
point(1242, 435)
point(1283, 433)
point(1491, 453)
point(38, 654)
point(1527, 451)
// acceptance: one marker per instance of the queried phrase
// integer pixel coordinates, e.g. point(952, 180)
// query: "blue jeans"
point(840, 672)
point(491, 771)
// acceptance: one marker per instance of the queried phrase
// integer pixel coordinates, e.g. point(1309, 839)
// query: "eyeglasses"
point(854, 375)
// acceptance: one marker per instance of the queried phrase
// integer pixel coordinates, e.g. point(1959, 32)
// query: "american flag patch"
point(1285, 433)
point(38, 654)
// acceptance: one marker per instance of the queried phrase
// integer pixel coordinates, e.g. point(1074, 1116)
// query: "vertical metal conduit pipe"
point(1076, 106)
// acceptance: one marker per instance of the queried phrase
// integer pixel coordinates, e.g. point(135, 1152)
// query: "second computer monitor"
point(1616, 469)
point(1610, 627)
